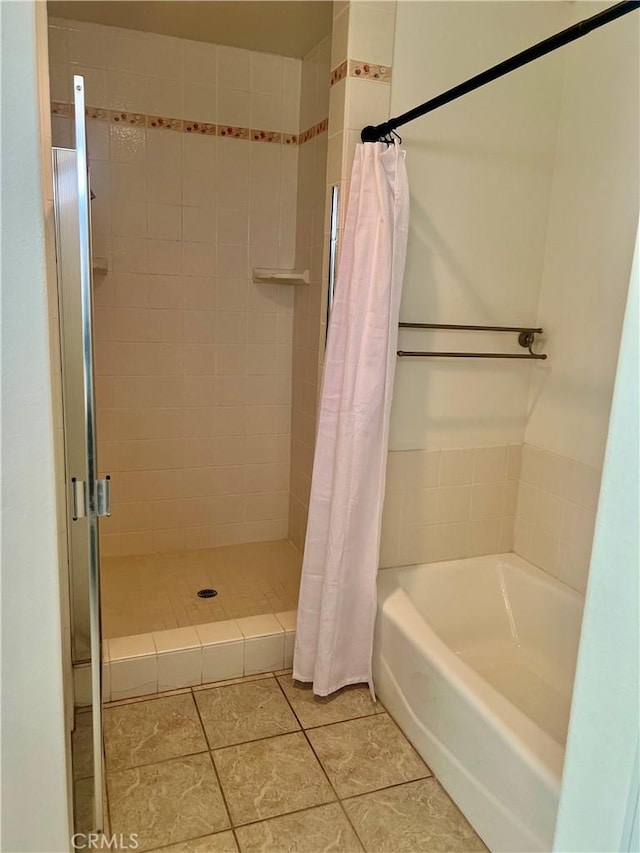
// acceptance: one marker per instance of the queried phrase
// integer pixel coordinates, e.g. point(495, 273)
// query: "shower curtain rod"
point(382, 132)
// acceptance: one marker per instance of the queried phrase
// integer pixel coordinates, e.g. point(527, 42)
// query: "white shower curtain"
point(337, 604)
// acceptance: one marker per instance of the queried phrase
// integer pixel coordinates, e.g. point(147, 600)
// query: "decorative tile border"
point(65, 110)
point(200, 127)
point(338, 73)
point(312, 132)
point(234, 132)
point(370, 71)
point(359, 68)
point(266, 136)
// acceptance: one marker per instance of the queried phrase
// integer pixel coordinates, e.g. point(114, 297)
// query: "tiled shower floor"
point(156, 592)
point(260, 764)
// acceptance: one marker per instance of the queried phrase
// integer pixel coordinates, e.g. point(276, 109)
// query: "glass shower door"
point(87, 496)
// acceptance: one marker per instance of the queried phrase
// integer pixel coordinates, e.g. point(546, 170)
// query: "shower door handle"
point(103, 496)
point(78, 499)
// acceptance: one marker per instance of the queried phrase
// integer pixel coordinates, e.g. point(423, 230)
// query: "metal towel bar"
point(526, 339)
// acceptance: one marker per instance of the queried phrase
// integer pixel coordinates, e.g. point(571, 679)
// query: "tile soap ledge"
point(277, 276)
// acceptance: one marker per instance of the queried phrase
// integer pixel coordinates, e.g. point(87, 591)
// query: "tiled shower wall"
point(309, 307)
point(193, 360)
point(556, 514)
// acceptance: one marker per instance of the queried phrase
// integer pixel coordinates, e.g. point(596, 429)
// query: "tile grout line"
point(162, 761)
point(215, 770)
point(188, 840)
point(338, 800)
point(287, 814)
point(395, 785)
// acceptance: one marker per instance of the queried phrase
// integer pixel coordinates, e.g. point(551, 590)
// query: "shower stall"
point(191, 302)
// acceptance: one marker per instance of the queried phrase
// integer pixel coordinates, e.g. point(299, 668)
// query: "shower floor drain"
point(207, 593)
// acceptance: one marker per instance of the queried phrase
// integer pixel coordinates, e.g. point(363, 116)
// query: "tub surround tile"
point(346, 704)
point(365, 755)
point(555, 513)
point(271, 777)
point(456, 467)
point(415, 816)
point(323, 828)
point(435, 501)
point(244, 712)
point(152, 731)
point(221, 842)
point(490, 464)
point(167, 802)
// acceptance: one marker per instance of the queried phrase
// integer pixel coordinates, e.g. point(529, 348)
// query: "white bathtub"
point(475, 659)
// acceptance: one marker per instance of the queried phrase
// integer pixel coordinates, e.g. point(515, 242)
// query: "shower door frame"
point(87, 496)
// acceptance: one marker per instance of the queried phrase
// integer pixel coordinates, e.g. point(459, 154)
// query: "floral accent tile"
point(137, 119)
point(97, 113)
point(200, 127)
point(234, 132)
point(314, 131)
point(369, 71)
point(266, 136)
point(165, 123)
point(290, 139)
point(59, 108)
point(338, 73)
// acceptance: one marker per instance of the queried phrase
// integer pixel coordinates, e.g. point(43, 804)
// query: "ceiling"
point(287, 27)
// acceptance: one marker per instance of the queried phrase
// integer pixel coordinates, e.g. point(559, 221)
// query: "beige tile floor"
point(154, 592)
point(260, 764)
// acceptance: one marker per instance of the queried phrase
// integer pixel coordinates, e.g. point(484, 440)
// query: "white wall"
point(480, 172)
point(600, 782)
point(592, 221)
point(34, 776)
